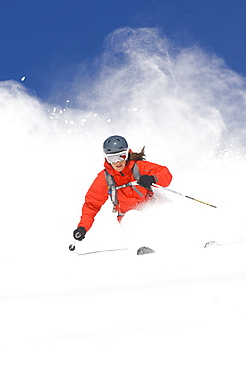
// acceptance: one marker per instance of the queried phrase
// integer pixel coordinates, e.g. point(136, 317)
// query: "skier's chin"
point(119, 166)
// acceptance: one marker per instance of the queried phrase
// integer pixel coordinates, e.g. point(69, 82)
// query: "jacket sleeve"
point(161, 173)
point(94, 199)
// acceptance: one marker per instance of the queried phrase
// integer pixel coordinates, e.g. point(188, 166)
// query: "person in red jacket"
point(127, 178)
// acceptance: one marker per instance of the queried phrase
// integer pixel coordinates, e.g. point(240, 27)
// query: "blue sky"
point(39, 38)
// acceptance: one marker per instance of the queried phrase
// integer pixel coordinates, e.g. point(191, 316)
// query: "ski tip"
point(144, 250)
point(208, 244)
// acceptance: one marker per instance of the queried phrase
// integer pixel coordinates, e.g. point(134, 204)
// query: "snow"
point(181, 307)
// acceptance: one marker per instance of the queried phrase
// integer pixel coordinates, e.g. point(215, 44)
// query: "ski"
point(216, 244)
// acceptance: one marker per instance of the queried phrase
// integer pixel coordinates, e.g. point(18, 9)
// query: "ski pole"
point(72, 249)
point(72, 246)
point(101, 251)
point(175, 192)
point(186, 196)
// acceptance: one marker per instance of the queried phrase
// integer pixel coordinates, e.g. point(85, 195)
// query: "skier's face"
point(118, 166)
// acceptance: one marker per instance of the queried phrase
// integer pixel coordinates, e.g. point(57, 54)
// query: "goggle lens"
point(117, 157)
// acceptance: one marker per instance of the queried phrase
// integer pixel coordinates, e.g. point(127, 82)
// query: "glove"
point(79, 233)
point(146, 181)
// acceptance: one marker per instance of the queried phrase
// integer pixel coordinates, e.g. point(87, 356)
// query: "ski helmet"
point(115, 144)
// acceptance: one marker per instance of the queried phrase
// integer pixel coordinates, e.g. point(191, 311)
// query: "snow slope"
point(182, 307)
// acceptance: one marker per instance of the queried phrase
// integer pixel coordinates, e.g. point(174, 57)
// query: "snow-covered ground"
point(181, 307)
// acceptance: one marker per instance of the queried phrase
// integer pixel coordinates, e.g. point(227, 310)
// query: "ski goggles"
point(117, 157)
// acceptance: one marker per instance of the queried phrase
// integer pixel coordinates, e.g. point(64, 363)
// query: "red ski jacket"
point(128, 198)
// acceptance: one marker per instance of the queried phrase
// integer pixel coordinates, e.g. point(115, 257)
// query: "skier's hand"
point(79, 233)
point(146, 181)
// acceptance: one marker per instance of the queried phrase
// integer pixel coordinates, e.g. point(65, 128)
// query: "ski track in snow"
point(181, 307)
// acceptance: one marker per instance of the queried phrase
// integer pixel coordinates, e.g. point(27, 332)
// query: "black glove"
point(146, 181)
point(79, 233)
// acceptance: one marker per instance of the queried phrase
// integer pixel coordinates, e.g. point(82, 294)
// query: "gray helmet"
point(115, 144)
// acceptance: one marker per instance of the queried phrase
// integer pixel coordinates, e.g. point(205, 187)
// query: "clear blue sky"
point(38, 37)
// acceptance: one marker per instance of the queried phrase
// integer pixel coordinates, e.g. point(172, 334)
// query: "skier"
point(122, 168)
